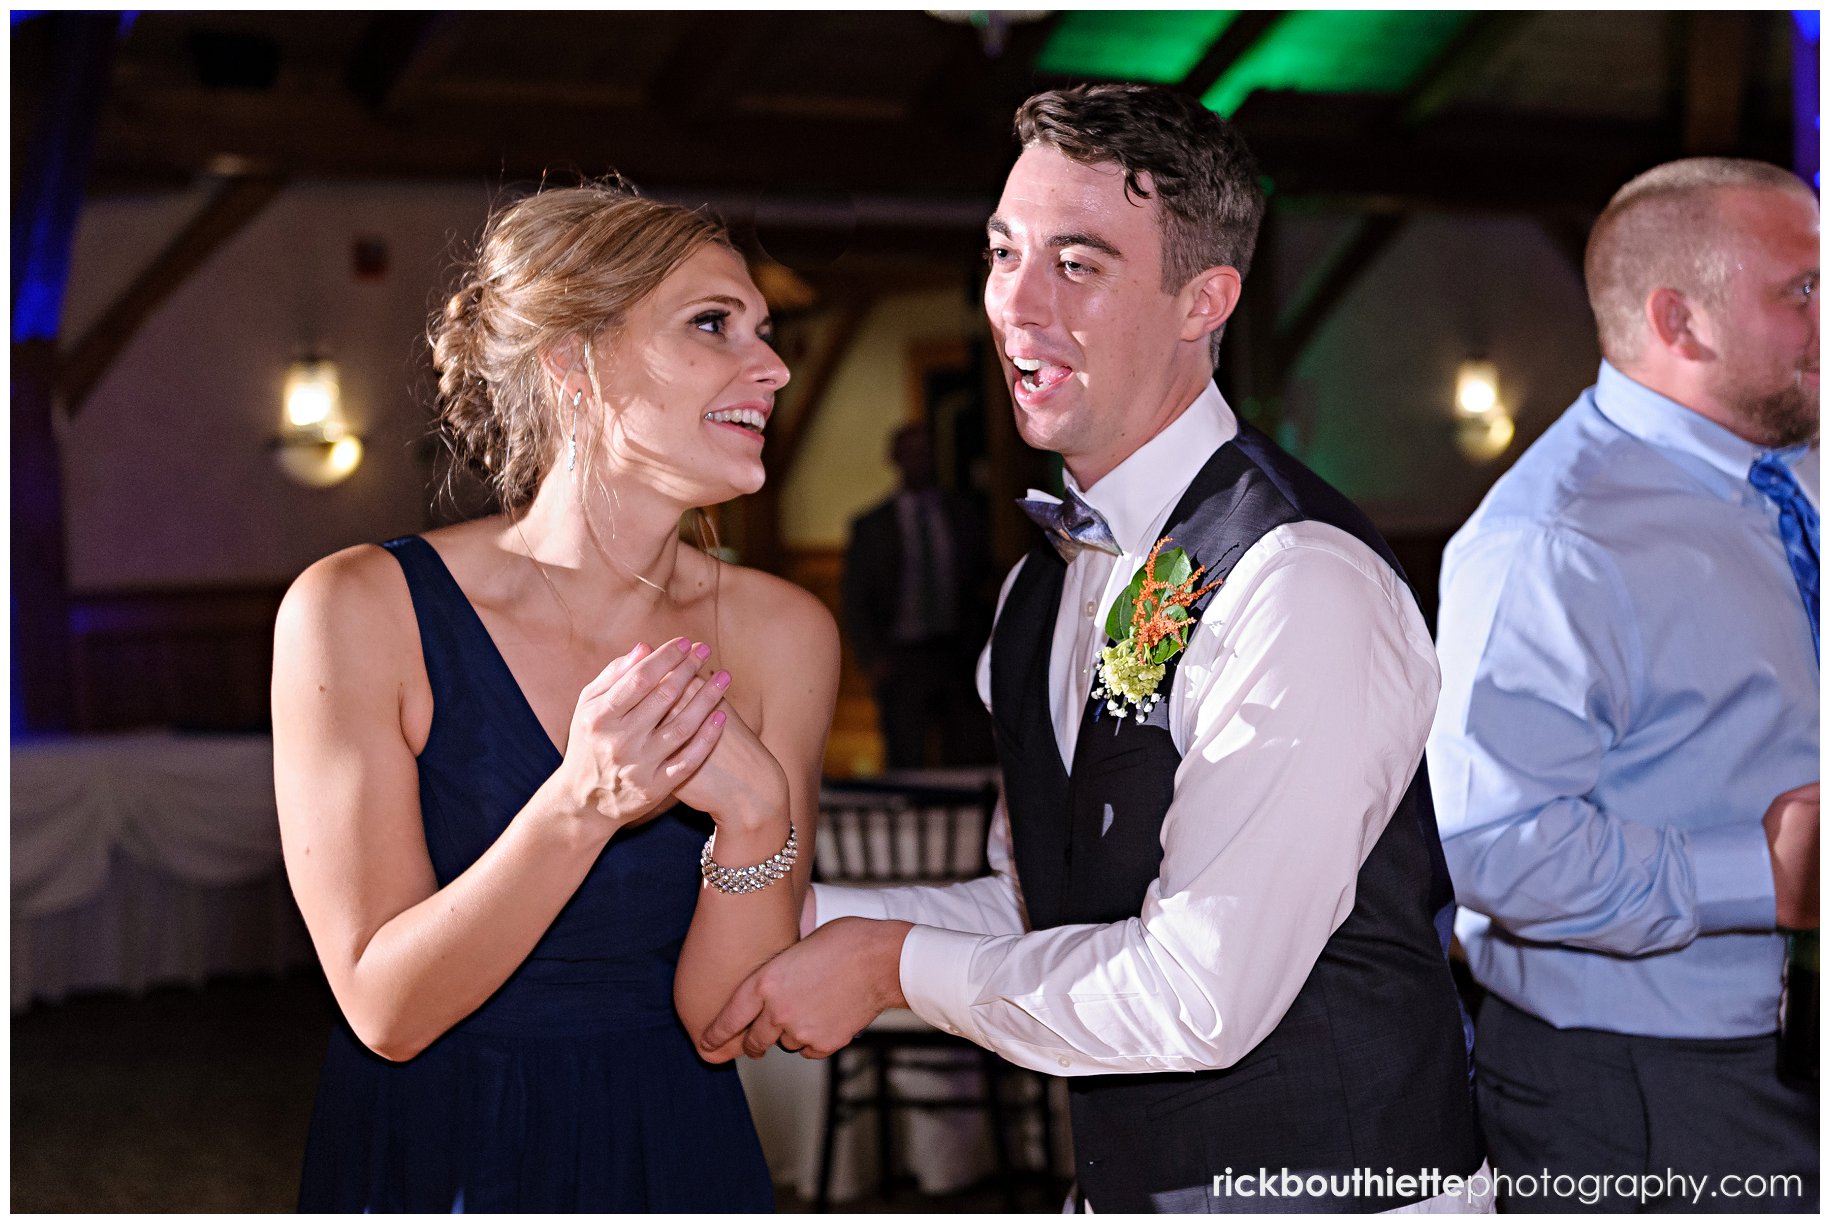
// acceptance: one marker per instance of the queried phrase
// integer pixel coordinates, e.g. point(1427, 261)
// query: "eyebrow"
point(1094, 242)
point(719, 299)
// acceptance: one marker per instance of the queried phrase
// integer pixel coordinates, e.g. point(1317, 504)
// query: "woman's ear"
point(1209, 300)
point(564, 360)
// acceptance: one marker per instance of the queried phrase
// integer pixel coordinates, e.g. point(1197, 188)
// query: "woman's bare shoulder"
point(351, 613)
point(773, 619)
point(362, 578)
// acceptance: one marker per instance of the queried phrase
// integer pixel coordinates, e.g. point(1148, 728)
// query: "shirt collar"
point(1135, 494)
point(1667, 424)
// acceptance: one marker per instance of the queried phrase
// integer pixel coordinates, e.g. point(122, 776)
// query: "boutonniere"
point(1148, 624)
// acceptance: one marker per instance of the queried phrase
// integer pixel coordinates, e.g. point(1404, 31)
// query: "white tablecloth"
point(154, 857)
point(145, 858)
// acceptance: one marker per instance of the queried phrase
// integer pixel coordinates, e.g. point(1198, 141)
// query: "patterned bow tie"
point(1798, 529)
point(1072, 525)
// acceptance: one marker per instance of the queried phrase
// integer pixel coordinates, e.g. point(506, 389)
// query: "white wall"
point(168, 479)
point(844, 466)
point(1370, 402)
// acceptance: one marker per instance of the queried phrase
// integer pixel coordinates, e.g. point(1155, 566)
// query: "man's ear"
point(1208, 301)
point(1674, 325)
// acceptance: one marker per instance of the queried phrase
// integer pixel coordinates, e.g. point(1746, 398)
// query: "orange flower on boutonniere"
point(1152, 613)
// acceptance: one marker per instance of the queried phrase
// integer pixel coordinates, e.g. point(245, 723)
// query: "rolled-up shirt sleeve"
point(1301, 710)
point(1541, 659)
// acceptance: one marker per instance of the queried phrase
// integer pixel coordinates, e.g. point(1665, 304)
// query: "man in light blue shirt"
point(1625, 754)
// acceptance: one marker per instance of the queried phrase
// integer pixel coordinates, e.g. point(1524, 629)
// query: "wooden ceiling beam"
point(1246, 31)
point(790, 436)
point(1346, 148)
point(397, 54)
point(1369, 237)
point(1473, 48)
point(788, 432)
point(188, 130)
point(712, 60)
point(237, 202)
point(973, 97)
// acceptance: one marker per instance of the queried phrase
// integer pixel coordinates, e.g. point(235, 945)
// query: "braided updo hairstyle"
point(563, 263)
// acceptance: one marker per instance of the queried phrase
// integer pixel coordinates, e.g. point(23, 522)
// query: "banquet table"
point(145, 858)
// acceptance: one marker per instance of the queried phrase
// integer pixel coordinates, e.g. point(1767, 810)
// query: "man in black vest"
point(1219, 904)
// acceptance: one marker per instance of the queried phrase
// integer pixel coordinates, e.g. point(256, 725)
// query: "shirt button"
point(1064, 1062)
point(1092, 607)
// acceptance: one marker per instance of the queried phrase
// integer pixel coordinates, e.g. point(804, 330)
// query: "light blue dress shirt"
point(1628, 681)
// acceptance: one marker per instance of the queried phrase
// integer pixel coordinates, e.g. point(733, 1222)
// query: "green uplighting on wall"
point(1343, 51)
point(1155, 46)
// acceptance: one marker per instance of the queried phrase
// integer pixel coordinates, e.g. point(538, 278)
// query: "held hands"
point(640, 730)
point(816, 995)
point(1791, 837)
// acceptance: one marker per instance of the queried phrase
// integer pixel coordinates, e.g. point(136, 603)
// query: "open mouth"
point(1038, 375)
point(752, 420)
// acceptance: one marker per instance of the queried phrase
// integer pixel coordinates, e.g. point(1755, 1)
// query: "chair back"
point(895, 833)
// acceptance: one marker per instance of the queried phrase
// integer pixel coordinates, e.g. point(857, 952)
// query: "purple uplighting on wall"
point(1807, 114)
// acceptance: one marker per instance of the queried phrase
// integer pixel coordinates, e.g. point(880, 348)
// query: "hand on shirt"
point(818, 994)
point(1791, 837)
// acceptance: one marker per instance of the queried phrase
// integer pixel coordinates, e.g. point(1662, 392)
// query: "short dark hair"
point(1666, 230)
point(1200, 169)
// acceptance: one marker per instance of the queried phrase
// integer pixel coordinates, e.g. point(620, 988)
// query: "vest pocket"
point(1205, 1088)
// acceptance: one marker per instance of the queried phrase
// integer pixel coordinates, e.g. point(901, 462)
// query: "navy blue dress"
point(574, 1087)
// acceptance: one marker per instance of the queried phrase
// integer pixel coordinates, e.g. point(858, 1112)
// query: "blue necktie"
point(1071, 524)
point(1797, 528)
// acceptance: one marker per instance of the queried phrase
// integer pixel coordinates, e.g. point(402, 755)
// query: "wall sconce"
point(1483, 427)
point(315, 446)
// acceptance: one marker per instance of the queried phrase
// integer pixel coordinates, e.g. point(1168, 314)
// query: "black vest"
point(1368, 1069)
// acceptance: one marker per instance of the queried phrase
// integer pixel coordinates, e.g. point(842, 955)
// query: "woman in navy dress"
point(500, 748)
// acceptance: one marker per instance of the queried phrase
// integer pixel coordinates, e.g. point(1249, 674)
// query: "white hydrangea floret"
point(1123, 681)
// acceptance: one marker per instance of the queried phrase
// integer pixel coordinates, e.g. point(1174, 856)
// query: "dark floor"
point(198, 1099)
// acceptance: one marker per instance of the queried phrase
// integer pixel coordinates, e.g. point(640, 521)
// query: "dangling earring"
point(572, 441)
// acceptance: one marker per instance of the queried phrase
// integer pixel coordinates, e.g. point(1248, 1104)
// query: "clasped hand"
point(816, 995)
point(649, 729)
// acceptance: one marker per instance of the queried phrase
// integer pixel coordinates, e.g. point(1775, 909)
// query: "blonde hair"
point(561, 264)
point(1666, 230)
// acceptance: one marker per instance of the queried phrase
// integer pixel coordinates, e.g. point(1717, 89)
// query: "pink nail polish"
point(684, 645)
point(722, 679)
point(640, 648)
point(718, 718)
point(703, 651)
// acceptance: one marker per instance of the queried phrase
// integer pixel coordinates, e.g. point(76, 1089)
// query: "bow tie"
point(1071, 524)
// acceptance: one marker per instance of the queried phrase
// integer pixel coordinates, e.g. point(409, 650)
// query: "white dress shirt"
point(1300, 709)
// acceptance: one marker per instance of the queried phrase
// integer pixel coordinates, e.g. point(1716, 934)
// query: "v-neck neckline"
point(507, 673)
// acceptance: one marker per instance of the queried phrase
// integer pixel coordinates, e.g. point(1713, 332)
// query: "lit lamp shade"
point(1483, 427)
point(315, 447)
point(1484, 438)
point(318, 463)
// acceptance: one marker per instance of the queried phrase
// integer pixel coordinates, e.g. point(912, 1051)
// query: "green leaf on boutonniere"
point(1148, 624)
point(1172, 567)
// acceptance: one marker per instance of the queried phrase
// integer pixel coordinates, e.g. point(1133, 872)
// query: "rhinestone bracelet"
point(735, 880)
